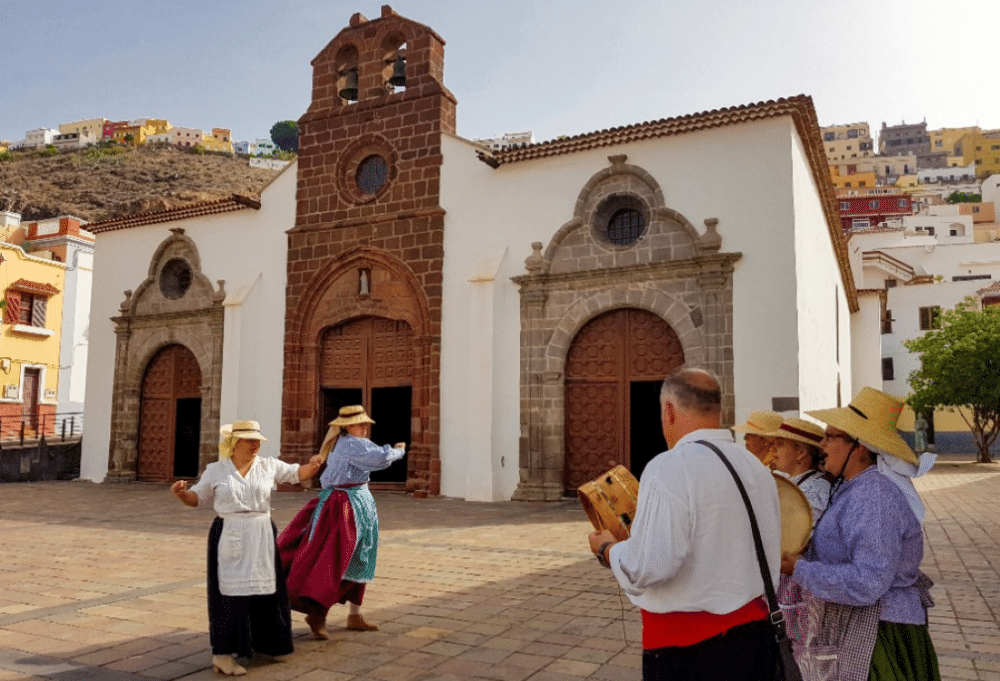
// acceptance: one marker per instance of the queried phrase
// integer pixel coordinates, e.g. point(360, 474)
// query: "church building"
point(509, 313)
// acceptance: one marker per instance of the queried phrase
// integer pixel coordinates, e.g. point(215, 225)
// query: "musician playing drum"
point(688, 562)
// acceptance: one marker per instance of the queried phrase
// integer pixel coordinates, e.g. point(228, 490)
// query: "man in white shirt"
point(690, 562)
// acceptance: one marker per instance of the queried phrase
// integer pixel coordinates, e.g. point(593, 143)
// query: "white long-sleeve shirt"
point(691, 548)
point(246, 547)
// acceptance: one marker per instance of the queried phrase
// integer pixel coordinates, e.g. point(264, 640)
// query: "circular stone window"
point(175, 278)
point(620, 220)
point(373, 173)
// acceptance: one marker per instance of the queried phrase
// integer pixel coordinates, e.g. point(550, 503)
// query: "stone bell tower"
point(363, 312)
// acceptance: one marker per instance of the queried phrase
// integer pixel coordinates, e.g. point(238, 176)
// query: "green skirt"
point(903, 652)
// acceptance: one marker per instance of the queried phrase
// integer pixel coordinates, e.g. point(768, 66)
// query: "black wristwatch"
point(600, 554)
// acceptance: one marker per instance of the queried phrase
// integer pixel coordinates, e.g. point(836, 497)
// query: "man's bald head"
point(693, 390)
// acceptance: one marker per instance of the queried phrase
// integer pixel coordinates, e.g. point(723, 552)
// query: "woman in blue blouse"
point(867, 597)
point(329, 548)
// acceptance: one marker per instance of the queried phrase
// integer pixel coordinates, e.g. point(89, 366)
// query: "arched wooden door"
point(614, 369)
point(369, 361)
point(170, 416)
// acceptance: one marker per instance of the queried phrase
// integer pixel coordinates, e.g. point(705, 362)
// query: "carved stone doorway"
point(170, 416)
point(614, 369)
point(369, 361)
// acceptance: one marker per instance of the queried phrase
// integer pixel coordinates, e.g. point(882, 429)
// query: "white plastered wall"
point(246, 248)
point(702, 175)
point(824, 319)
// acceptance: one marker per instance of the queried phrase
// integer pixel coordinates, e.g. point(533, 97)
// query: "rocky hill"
point(100, 184)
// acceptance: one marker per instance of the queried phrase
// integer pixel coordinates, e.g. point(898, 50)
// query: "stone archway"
point(666, 269)
point(175, 305)
point(363, 283)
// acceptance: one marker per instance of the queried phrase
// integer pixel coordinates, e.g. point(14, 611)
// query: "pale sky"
point(555, 67)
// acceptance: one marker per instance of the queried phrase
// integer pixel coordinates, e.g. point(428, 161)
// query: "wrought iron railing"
point(21, 429)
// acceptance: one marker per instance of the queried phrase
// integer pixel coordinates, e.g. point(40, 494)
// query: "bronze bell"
point(398, 78)
point(350, 89)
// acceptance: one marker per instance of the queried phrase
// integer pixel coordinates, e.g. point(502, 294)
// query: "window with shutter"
point(12, 311)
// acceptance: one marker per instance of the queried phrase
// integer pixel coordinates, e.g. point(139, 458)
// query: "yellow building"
point(158, 126)
point(220, 140)
point(32, 285)
point(945, 139)
point(4, 145)
point(854, 181)
point(982, 149)
point(92, 127)
point(139, 132)
point(845, 142)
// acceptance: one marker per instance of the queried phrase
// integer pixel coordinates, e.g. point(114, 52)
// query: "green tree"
point(285, 135)
point(964, 197)
point(960, 370)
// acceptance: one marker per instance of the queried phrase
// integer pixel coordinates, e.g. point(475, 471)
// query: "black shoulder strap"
point(777, 619)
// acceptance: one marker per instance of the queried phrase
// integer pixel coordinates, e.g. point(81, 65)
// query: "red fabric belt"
point(663, 629)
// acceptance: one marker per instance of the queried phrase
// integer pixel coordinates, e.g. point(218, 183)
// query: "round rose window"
point(175, 278)
point(373, 172)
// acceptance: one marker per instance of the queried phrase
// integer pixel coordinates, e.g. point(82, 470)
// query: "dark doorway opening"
point(645, 430)
point(333, 400)
point(188, 437)
point(391, 411)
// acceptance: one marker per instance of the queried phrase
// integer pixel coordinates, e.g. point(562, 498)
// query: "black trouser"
point(744, 653)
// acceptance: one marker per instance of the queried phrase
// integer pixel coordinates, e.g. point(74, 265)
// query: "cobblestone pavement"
point(107, 582)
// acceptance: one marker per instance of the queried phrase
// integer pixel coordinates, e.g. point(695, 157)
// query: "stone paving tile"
point(107, 582)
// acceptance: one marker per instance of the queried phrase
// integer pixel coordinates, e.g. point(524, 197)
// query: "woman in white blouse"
point(247, 599)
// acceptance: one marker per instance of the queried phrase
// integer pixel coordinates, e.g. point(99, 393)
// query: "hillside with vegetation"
point(100, 184)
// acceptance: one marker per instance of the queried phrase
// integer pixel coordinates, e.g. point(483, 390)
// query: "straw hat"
point(760, 423)
point(238, 430)
point(799, 430)
point(871, 417)
point(349, 416)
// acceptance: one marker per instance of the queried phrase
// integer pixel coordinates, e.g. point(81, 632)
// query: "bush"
point(6, 156)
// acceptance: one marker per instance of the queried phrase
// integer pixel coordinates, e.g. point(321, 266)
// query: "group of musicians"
point(854, 599)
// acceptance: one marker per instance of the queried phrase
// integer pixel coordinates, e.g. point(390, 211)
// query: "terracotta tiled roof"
point(992, 288)
point(34, 287)
point(799, 108)
point(193, 210)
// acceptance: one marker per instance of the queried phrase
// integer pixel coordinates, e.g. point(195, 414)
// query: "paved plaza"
point(107, 582)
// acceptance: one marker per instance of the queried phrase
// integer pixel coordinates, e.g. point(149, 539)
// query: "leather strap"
point(777, 619)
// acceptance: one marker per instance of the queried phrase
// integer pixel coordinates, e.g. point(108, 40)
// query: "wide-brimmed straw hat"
point(238, 430)
point(244, 430)
point(349, 416)
point(799, 430)
point(871, 418)
point(760, 423)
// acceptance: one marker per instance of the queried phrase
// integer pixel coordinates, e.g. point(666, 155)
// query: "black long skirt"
point(242, 624)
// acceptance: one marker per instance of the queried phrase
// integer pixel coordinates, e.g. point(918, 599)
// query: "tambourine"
point(610, 500)
point(796, 515)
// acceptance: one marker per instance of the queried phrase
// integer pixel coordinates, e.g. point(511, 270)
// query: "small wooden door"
point(369, 361)
point(614, 368)
point(170, 416)
point(31, 389)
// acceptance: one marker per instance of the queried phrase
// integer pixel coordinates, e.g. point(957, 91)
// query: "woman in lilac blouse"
point(329, 549)
point(866, 595)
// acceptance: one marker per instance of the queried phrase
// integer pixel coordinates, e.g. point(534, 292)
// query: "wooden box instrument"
point(610, 500)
